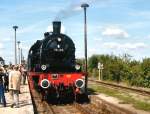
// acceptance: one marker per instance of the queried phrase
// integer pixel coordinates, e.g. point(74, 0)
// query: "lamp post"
point(99, 71)
point(102, 67)
point(21, 54)
point(84, 6)
point(18, 52)
point(15, 28)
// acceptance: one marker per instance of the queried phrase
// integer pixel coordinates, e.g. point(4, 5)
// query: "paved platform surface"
point(26, 106)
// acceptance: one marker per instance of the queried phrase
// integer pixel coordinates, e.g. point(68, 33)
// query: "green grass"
point(126, 98)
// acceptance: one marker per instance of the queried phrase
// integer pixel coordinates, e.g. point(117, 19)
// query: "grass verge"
point(126, 98)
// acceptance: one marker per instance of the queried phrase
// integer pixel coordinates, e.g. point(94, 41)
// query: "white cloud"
point(1, 53)
point(77, 8)
point(1, 46)
point(126, 46)
point(143, 14)
point(7, 40)
point(111, 45)
point(141, 45)
point(115, 32)
point(148, 37)
point(4, 36)
point(37, 9)
point(93, 50)
point(98, 39)
point(25, 48)
point(36, 27)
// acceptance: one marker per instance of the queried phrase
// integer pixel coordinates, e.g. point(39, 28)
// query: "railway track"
point(40, 107)
point(96, 106)
point(43, 107)
point(116, 86)
point(100, 106)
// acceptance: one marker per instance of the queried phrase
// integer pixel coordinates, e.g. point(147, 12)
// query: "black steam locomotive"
point(52, 66)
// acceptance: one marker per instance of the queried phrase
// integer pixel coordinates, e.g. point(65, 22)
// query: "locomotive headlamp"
point(77, 67)
point(43, 67)
point(45, 83)
point(79, 83)
point(58, 46)
point(59, 39)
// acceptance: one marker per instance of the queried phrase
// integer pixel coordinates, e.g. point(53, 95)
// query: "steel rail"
point(41, 107)
point(96, 106)
point(139, 91)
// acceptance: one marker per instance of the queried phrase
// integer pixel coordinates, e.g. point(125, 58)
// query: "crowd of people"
point(11, 78)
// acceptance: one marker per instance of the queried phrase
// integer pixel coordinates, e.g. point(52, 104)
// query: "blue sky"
point(114, 26)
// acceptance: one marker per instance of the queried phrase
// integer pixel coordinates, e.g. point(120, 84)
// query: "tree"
point(92, 62)
point(122, 68)
point(145, 65)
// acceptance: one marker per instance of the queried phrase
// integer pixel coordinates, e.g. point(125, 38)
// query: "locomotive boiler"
point(52, 67)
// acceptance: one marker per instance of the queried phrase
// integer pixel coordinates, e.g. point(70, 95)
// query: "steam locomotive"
point(52, 67)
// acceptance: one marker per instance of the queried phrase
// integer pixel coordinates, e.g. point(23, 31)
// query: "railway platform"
point(25, 102)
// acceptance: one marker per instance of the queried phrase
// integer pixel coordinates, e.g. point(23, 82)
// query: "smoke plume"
point(73, 9)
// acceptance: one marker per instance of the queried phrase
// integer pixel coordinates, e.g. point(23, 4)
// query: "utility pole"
point(99, 71)
point(102, 67)
point(84, 6)
point(18, 52)
point(21, 54)
point(15, 28)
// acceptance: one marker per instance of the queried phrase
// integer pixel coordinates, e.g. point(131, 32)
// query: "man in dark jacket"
point(6, 81)
point(2, 96)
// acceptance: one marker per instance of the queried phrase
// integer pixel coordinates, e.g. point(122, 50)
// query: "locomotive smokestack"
point(56, 27)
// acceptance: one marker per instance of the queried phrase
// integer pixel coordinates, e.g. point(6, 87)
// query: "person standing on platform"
point(6, 80)
point(14, 86)
point(2, 95)
point(24, 74)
